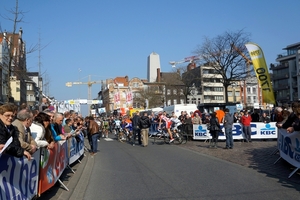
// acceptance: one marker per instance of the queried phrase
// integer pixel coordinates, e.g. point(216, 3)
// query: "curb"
point(79, 181)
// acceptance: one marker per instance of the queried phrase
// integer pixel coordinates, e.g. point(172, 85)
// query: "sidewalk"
point(75, 182)
point(256, 155)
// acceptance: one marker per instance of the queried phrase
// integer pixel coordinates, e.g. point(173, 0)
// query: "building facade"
point(152, 65)
point(4, 67)
point(286, 75)
point(17, 67)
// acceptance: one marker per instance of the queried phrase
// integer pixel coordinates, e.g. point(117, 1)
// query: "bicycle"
point(123, 135)
point(162, 137)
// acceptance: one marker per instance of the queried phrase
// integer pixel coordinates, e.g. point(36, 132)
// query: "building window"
point(135, 85)
point(181, 91)
point(17, 89)
point(175, 92)
point(168, 91)
point(29, 86)
point(254, 99)
point(181, 101)
point(174, 101)
point(169, 102)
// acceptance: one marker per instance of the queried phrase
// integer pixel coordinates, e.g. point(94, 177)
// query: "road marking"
point(108, 139)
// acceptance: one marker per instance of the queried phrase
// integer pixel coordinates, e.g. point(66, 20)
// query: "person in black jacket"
point(7, 130)
point(144, 125)
point(136, 128)
point(214, 130)
point(291, 118)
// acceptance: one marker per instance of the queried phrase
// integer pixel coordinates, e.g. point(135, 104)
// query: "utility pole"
point(89, 84)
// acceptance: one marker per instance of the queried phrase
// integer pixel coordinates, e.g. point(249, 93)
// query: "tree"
point(220, 54)
point(153, 93)
point(189, 79)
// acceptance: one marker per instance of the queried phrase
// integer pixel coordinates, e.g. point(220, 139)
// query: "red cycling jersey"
point(167, 120)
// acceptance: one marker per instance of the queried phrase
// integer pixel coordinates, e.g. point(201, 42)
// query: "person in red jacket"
point(246, 120)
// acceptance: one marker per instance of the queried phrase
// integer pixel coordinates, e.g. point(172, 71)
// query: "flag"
point(261, 71)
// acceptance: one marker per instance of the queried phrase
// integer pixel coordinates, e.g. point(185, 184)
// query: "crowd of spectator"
point(49, 127)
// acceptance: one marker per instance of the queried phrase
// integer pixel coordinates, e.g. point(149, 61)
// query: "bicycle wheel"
point(159, 138)
point(184, 137)
point(178, 138)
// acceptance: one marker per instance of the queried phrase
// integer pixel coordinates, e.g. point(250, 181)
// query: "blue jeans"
point(247, 133)
point(228, 135)
point(95, 142)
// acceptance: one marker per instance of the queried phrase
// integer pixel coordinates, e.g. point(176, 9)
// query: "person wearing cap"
point(228, 123)
point(246, 121)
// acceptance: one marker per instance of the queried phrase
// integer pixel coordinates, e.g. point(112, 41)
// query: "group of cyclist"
point(161, 120)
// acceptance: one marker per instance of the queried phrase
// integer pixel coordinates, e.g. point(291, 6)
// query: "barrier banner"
point(19, 176)
point(75, 148)
point(52, 164)
point(259, 130)
point(262, 73)
point(289, 146)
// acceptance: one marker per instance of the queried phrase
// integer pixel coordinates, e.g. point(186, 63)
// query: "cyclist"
point(164, 118)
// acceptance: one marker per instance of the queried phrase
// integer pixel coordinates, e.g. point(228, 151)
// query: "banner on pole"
point(261, 70)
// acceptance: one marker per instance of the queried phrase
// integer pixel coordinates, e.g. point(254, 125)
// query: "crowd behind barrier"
point(21, 178)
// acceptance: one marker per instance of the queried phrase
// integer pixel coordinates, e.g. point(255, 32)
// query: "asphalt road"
point(121, 171)
point(190, 171)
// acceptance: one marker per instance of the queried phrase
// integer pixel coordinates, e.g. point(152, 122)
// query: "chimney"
point(158, 75)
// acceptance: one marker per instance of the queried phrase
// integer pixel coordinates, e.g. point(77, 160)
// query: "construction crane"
point(190, 59)
point(89, 84)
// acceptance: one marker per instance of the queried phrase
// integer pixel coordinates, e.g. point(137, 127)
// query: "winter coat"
point(14, 148)
point(144, 122)
point(214, 125)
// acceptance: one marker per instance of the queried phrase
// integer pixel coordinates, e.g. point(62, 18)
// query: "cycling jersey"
point(166, 120)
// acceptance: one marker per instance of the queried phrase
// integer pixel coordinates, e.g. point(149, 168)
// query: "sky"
point(104, 39)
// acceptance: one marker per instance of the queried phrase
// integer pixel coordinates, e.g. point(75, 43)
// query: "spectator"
point(22, 123)
point(44, 105)
point(188, 125)
point(7, 130)
point(264, 118)
point(144, 125)
point(246, 121)
point(41, 126)
point(255, 116)
point(291, 118)
point(197, 119)
point(236, 118)
point(56, 127)
point(228, 123)
point(278, 114)
point(206, 119)
point(136, 128)
point(67, 115)
point(93, 130)
point(68, 126)
point(214, 130)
